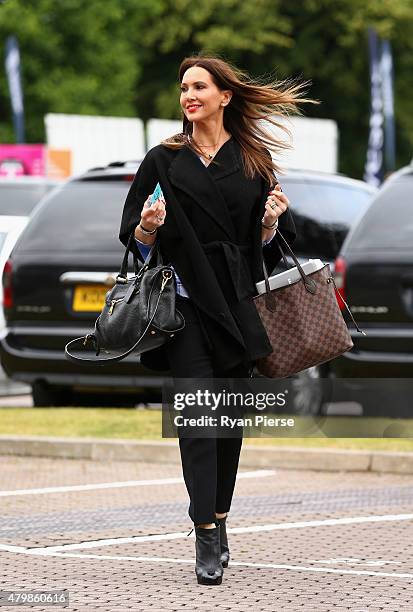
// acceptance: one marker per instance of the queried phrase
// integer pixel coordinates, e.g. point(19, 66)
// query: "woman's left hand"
point(277, 203)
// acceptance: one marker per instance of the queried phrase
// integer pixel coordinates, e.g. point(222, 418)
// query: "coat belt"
point(231, 265)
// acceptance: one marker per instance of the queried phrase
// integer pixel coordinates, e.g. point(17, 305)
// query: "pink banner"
point(23, 160)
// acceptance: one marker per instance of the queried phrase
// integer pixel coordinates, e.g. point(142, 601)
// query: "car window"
point(86, 214)
point(20, 200)
point(323, 213)
point(82, 216)
point(388, 223)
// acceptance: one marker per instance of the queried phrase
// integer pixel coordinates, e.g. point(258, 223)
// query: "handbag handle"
point(122, 277)
point(309, 284)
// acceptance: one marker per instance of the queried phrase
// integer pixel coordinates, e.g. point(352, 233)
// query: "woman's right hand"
point(153, 216)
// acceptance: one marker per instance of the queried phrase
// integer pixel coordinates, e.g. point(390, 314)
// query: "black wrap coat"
point(212, 237)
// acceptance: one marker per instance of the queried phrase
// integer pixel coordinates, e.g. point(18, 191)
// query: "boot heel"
point(208, 567)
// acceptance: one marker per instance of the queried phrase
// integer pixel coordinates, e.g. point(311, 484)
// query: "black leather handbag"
point(139, 313)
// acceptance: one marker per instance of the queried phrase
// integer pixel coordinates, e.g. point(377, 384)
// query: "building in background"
point(98, 141)
point(315, 141)
point(94, 140)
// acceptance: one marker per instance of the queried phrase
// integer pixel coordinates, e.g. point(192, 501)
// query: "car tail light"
point(7, 285)
point(340, 280)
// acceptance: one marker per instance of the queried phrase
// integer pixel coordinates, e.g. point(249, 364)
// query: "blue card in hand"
point(156, 194)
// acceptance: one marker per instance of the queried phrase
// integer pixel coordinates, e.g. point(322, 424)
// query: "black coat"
point(212, 237)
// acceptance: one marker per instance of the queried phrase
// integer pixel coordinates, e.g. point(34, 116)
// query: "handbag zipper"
point(166, 275)
point(112, 305)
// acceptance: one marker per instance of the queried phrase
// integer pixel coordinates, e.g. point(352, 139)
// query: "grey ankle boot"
point(208, 566)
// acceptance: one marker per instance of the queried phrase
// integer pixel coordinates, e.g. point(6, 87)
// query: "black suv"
point(374, 271)
point(69, 254)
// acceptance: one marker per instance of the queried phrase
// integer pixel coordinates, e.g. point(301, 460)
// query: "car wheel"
point(311, 389)
point(47, 395)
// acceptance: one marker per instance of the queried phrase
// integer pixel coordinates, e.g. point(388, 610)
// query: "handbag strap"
point(155, 251)
point(347, 307)
point(308, 282)
point(310, 285)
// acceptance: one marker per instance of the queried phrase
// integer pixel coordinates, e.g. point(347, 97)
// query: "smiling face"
point(200, 98)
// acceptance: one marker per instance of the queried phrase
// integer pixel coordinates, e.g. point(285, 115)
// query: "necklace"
point(208, 155)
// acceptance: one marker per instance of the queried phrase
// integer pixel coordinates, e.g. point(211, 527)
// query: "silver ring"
point(273, 205)
point(159, 218)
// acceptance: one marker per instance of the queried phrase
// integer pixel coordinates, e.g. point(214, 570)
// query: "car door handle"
point(94, 278)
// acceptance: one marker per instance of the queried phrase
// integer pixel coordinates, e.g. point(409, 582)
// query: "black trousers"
point(209, 465)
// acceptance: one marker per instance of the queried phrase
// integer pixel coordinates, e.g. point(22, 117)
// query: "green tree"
point(321, 40)
point(330, 46)
point(121, 57)
point(76, 58)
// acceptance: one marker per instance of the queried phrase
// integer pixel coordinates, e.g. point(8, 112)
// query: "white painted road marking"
point(351, 561)
point(119, 485)
point(251, 529)
point(299, 568)
point(13, 549)
point(56, 551)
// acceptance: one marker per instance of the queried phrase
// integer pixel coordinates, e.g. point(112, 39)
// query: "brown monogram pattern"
point(304, 329)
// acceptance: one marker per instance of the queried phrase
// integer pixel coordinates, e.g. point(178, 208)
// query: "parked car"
point(18, 197)
point(325, 207)
point(69, 254)
point(10, 229)
point(374, 271)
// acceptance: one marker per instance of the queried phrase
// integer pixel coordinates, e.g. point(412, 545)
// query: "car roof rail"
point(115, 164)
point(120, 164)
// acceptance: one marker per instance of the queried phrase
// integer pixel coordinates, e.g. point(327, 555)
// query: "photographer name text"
point(226, 421)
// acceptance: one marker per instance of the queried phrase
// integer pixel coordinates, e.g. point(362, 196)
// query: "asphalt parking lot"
point(114, 535)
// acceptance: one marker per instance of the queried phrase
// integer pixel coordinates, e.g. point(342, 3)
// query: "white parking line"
point(251, 529)
point(299, 568)
point(352, 561)
point(60, 551)
point(14, 549)
point(119, 485)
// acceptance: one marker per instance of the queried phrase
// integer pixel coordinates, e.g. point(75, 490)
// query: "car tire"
point(45, 395)
point(312, 389)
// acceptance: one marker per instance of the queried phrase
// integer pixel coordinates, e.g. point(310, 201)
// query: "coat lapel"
point(188, 173)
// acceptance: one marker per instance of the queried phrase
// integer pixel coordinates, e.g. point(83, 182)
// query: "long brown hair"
point(252, 102)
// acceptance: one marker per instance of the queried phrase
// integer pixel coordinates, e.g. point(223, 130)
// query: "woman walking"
point(221, 208)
